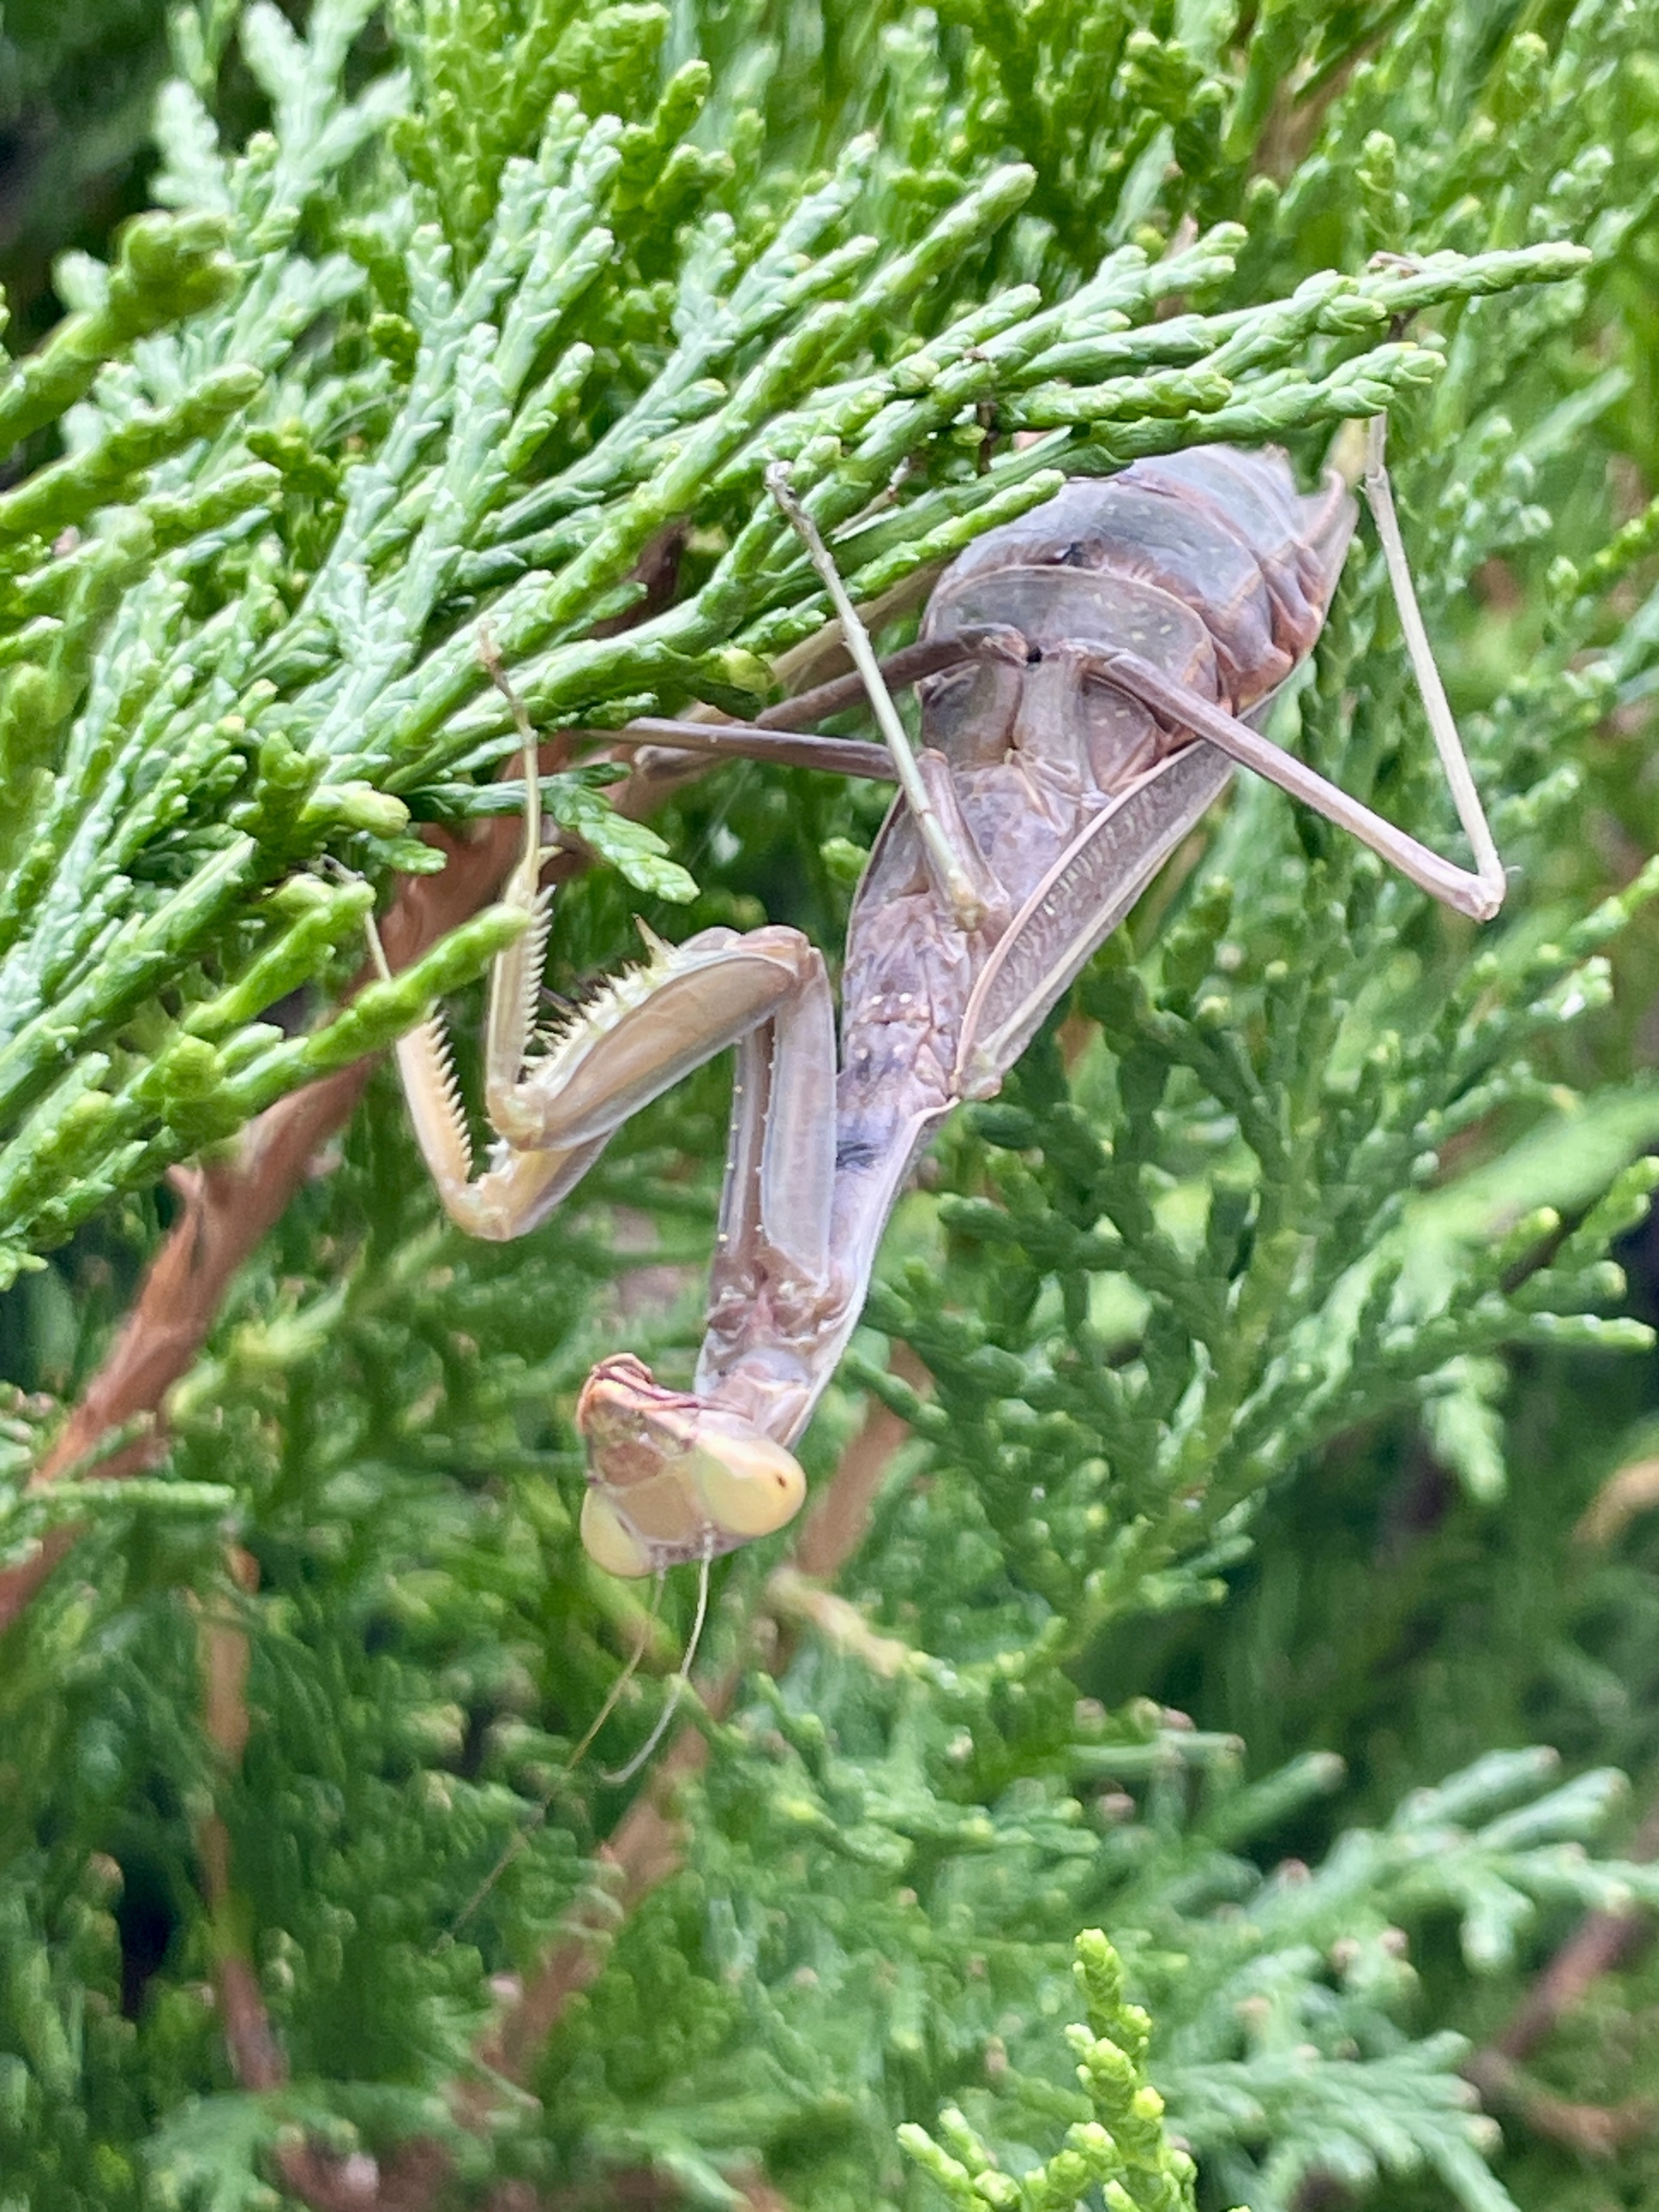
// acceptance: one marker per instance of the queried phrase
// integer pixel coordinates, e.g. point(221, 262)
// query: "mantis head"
point(671, 1479)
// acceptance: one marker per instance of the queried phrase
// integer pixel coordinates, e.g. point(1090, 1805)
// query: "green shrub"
point(1256, 1350)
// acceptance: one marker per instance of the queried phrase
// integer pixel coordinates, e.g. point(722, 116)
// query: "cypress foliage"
point(1256, 1353)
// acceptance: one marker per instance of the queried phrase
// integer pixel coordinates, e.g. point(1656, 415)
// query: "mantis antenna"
point(613, 1695)
point(521, 1837)
point(627, 1773)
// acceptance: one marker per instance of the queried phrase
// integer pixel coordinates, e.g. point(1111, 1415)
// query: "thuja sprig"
point(168, 267)
point(1123, 2148)
point(1269, 2043)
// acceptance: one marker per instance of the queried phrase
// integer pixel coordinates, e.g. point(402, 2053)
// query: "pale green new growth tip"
point(1123, 2149)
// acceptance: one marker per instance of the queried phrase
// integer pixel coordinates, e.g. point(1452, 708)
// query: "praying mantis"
point(1090, 676)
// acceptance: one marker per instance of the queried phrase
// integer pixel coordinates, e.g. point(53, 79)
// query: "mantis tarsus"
point(1088, 677)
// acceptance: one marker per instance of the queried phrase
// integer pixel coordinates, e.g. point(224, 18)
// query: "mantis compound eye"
point(610, 1542)
point(749, 1486)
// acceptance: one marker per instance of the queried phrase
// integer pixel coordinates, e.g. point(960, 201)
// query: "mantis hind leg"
point(1379, 494)
point(1477, 891)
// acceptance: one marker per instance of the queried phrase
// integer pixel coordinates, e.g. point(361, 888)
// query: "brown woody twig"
point(1601, 1942)
point(228, 1206)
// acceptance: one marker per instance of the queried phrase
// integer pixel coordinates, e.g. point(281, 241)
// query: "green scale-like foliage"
point(501, 295)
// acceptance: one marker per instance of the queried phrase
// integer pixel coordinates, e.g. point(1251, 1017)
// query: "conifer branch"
point(227, 1207)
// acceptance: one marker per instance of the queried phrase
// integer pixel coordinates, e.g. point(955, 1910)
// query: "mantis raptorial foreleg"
point(555, 1101)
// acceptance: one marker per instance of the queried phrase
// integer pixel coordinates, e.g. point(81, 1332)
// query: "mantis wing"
point(1076, 907)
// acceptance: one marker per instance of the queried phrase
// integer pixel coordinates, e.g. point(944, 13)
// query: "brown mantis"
point(1088, 677)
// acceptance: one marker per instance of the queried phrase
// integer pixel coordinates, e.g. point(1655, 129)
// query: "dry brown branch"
point(256, 2058)
point(647, 1847)
point(1601, 1942)
point(407, 2183)
point(841, 1512)
point(758, 2194)
point(1593, 2131)
point(1631, 1490)
point(1598, 2131)
point(228, 1206)
point(258, 2062)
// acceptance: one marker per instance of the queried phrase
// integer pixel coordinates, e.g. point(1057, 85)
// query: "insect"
point(1088, 677)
